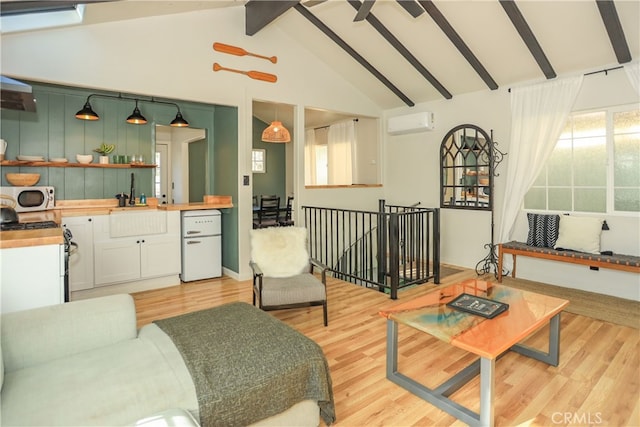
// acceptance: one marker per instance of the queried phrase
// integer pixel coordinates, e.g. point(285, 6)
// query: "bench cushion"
point(619, 259)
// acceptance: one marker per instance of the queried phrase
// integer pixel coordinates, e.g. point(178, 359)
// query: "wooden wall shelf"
point(22, 163)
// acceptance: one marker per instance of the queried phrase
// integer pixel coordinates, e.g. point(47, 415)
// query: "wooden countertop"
point(25, 238)
point(195, 206)
point(106, 206)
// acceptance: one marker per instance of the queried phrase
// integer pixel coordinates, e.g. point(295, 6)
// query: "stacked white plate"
point(31, 158)
point(58, 160)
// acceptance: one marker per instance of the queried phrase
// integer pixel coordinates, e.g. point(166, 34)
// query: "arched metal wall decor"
point(468, 162)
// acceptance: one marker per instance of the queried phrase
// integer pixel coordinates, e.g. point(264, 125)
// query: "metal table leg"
point(439, 396)
point(553, 356)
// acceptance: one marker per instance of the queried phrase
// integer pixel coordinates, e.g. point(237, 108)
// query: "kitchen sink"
point(140, 223)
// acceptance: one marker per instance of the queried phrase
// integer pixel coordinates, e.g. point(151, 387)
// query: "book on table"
point(477, 305)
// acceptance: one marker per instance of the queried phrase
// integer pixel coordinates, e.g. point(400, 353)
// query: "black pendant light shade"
point(87, 112)
point(179, 121)
point(136, 117)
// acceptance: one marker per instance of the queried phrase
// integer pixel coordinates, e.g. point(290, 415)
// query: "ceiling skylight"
point(50, 14)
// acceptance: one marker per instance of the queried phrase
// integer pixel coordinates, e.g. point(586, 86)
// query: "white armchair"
point(283, 271)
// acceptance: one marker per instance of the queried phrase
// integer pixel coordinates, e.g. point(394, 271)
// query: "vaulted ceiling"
point(404, 52)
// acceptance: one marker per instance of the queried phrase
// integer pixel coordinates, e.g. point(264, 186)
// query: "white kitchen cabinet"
point(32, 276)
point(81, 257)
point(131, 258)
point(160, 255)
point(117, 260)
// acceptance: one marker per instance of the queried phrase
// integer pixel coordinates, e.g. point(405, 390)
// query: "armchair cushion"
point(280, 251)
point(292, 290)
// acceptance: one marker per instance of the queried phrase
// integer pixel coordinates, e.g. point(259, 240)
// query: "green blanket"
point(247, 365)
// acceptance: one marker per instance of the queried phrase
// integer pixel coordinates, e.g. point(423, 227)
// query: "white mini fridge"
point(201, 245)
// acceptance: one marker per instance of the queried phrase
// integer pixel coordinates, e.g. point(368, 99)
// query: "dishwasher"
point(201, 245)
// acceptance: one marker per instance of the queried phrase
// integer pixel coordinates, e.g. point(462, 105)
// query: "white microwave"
point(28, 199)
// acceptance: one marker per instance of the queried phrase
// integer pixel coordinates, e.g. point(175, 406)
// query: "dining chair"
point(287, 220)
point(269, 212)
point(283, 271)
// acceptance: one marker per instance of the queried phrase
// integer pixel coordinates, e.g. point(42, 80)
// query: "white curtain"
point(310, 157)
point(633, 73)
point(341, 142)
point(538, 116)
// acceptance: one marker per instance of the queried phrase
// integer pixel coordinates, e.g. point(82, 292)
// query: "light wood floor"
point(596, 383)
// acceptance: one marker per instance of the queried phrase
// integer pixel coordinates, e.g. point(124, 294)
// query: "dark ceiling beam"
point(412, 7)
point(355, 55)
point(364, 10)
point(457, 41)
point(614, 28)
point(528, 37)
point(260, 13)
point(384, 32)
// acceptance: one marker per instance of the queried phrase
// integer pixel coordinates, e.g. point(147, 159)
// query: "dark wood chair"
point(269, 212)
point(287, 220)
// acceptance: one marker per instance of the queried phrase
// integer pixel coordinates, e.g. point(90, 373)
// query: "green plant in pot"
point(104, 150)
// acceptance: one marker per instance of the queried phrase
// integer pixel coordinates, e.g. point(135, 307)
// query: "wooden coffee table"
point(487, 338)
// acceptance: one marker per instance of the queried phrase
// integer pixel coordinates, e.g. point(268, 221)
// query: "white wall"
point(412, 174)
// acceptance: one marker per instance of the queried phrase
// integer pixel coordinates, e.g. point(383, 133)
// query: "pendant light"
point(276, 132)
point(136, 117)
point(179, 121)
point(87, 112)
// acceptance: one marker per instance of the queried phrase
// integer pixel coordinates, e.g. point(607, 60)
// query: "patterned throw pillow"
point(543, 230)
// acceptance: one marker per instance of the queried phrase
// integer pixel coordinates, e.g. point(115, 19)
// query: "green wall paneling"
point(273, 181)
point(94, 183)
point(74, 184)
point(225, 177)
point(34, 131)
point(56, 128)
point(74, 129)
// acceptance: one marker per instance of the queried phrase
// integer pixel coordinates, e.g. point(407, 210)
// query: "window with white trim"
point(595, 166)
point(258, 160)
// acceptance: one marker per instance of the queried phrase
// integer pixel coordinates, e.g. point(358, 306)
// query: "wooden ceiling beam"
point(260, 13)
point(364, 10)
point(614, 29)
point(457, 41)
point(384, 32)
point(412, 7)
point(518, 21)
point(355, 55)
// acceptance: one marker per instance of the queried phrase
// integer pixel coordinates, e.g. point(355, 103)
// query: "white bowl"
point(84, 158)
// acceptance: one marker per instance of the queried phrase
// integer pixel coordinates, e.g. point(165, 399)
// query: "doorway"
point(182, 172)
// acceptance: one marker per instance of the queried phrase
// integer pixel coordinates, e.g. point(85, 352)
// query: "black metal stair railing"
point(396, 247)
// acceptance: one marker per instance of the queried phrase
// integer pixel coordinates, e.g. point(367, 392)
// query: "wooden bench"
point(594, 261)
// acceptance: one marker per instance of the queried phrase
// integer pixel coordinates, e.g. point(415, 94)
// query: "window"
point(24, 16)
point(595, 166)
point(258, 160)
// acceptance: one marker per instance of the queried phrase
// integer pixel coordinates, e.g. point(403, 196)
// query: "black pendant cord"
point(490, 262)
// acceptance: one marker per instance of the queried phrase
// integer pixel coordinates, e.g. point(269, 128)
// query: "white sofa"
point(85, 363)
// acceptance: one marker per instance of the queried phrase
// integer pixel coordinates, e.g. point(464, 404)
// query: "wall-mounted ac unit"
point(411, 123)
